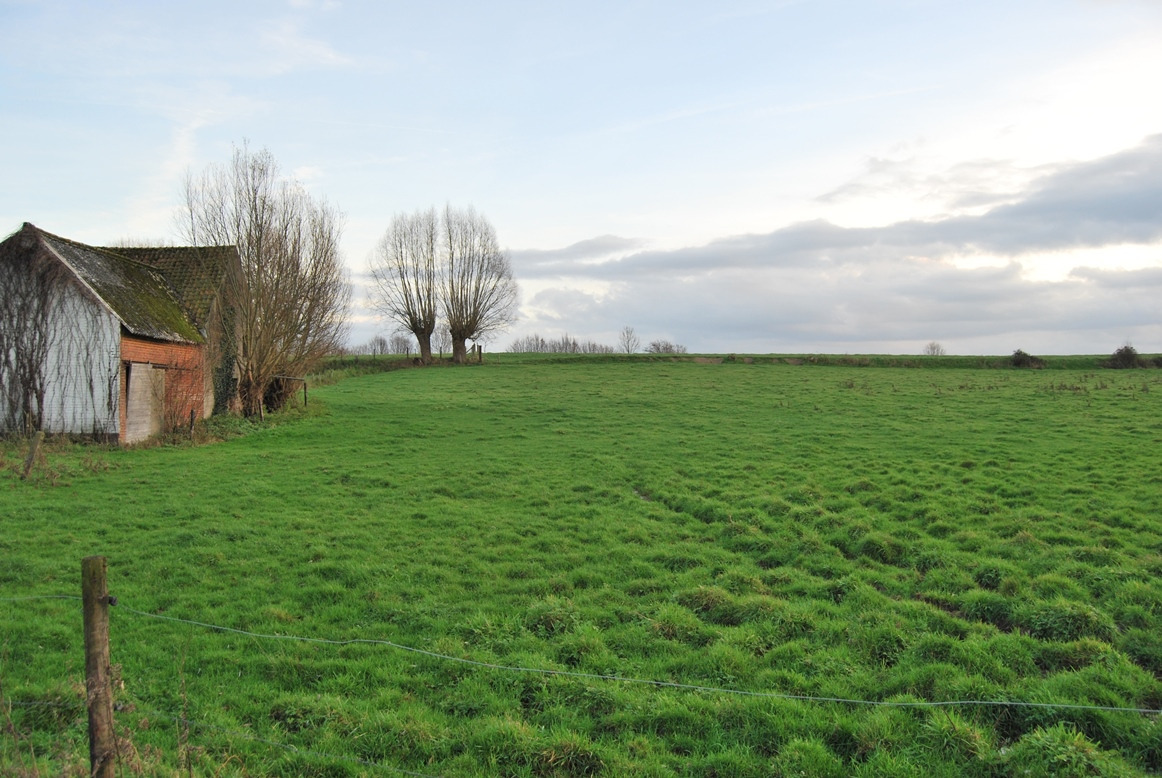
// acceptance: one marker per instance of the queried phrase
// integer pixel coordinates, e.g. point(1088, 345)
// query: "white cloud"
point(961, 278)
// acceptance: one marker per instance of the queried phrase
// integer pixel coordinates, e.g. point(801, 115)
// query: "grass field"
point(875, 534)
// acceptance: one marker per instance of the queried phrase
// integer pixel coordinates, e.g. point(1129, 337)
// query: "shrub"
point(1021, 359)
point(665, 347)
point(1125, 358)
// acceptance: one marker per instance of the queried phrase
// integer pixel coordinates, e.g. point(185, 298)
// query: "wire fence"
point(516, 669)
point(183, 721)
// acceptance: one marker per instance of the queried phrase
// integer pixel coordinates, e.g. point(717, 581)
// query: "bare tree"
point(289, 295)
point(665, 347)
point(442, 339)
point(628, 340)
point(377, 346)
point(479, 293)
point(566, 344)
point(529, 344)
point(402, 344)
point(406, 272)
point(934, 349)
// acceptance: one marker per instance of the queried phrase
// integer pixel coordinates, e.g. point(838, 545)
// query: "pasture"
point(793, 556)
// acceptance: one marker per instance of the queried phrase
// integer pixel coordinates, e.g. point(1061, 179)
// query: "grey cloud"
point(819, 286)
point(1144, 281)
point(566, 304)
point(549, 260)
point(872, 307)
point(1112, 200)
point(1109, 201)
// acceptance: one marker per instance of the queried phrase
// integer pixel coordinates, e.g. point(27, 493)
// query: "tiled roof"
point(160, 293)
point(195, 273)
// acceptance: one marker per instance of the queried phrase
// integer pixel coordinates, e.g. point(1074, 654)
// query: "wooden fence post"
point(99, 695)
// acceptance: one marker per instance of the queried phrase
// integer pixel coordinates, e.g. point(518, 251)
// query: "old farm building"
point(120, 343)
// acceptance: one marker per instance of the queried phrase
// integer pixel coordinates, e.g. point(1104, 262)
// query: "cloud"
point(1111, 201)
point(969, 185)
point(591, 250)
point(1142, 280)
point(820, 286)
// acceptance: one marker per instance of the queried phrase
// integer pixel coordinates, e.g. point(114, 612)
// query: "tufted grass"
point(878, 534)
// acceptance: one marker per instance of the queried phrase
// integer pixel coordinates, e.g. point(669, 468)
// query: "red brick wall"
point(185, 376)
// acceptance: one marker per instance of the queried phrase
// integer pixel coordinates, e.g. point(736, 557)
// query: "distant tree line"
point(402, 344)
point(535, 344)
point(628, 343)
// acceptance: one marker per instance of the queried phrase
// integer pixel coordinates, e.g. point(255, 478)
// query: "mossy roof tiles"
point(195, 273)
point(160, 293)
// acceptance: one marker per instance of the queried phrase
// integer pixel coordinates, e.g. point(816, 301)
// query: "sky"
point(791, 176)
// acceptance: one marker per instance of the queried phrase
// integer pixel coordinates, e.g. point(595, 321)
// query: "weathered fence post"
point(99, 695)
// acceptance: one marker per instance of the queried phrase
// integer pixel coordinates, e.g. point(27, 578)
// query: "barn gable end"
point(121, 343)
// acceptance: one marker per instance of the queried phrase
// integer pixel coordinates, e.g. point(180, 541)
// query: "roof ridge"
point(118, 249)
point(138, 317)
point(90, 247)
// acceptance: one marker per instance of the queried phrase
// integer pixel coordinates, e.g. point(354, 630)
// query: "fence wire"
point(617, 678)
point(240, 734)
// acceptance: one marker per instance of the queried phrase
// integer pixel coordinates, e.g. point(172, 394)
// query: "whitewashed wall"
point(82, 368)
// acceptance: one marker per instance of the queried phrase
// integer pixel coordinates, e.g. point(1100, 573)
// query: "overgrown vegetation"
point(1126, 358)
point(1021, 359)
point(889, 536)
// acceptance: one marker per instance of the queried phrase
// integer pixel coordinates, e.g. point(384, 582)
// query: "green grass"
point(887, 535)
